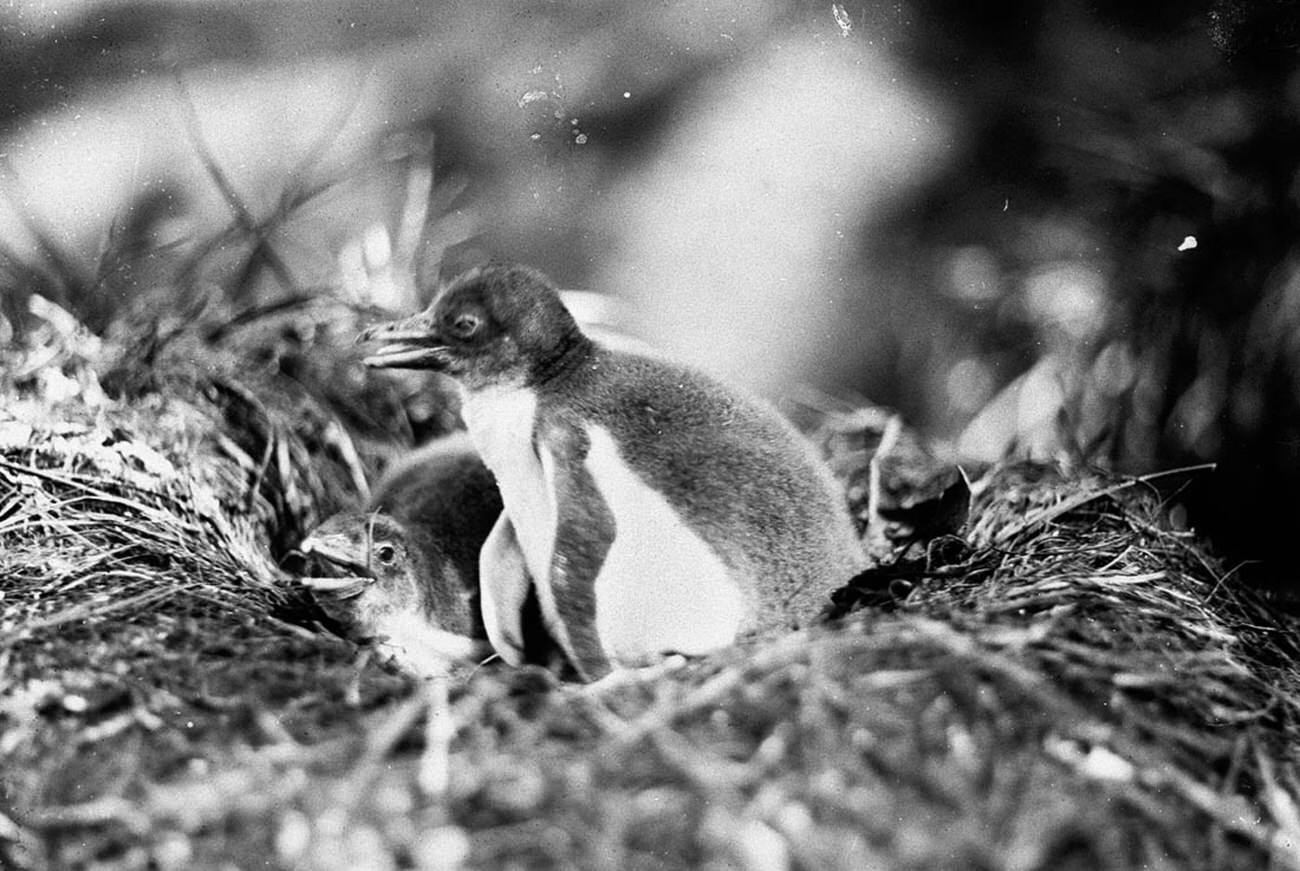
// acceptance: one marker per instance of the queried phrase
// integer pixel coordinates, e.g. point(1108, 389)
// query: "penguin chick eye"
point(465, 325)
point(386, 553)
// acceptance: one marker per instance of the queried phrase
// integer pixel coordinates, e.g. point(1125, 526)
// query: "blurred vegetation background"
point(1058, 229)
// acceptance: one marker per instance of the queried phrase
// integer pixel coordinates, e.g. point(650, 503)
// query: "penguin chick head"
point(373, 571)
point(492, 325)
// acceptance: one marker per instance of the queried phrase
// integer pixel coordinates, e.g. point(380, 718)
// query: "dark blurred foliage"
point(1097, 138)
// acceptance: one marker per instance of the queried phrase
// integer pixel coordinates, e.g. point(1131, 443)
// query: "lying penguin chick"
point(426, 521)
point(657, 509)
point(447, 501)
point(392, 591)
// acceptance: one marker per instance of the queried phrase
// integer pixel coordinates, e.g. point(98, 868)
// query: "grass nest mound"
point(1069, 683)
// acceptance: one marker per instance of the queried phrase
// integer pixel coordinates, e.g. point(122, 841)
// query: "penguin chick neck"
point(493, 326)
point(573, 350)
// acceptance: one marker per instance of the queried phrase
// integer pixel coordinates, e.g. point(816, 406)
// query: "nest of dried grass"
point(1071, 682)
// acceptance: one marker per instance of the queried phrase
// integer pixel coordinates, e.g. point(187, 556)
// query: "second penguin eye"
point(465, 325)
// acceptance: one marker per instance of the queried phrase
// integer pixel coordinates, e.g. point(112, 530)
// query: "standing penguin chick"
point(411, 558)
point(657, 509)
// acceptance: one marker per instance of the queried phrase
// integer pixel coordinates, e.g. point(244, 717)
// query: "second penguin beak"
point(337, 588)
point(412, 343)
point(339, 556)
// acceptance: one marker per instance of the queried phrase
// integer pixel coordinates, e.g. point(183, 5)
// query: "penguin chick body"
point(447, 500)
point(657, 509)
point(411, 558)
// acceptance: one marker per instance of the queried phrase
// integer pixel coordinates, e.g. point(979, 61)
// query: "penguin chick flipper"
point(584, 533)
point(503, 587)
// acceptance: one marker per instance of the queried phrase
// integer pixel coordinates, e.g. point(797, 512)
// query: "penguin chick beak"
point(339, 555)
point(337, 588)
point(411, 343)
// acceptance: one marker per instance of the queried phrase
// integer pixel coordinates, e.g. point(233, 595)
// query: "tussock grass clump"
point(1069, 683)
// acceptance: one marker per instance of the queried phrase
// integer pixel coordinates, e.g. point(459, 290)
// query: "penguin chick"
point(411, 558)
point(657, 509)
point(447, 501)
point(390, 591)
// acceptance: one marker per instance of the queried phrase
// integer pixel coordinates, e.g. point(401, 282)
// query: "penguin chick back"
point(735, 470)
point(447, 501)
point(418, 541)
